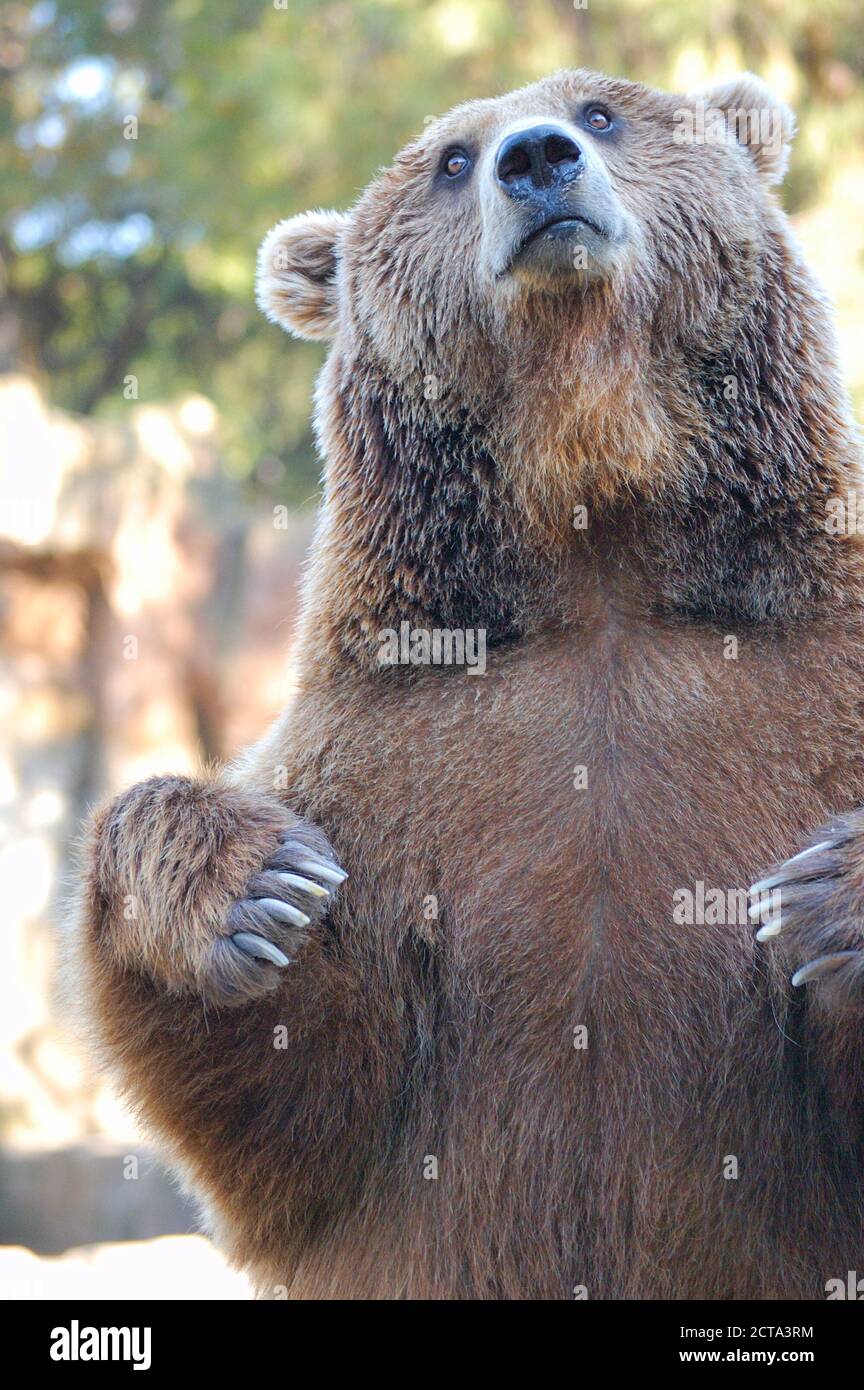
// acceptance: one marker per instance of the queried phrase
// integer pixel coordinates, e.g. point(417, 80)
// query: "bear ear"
point(296, 281)
point(762, 123)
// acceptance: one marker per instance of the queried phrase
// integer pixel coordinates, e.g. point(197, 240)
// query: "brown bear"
point(580, 657)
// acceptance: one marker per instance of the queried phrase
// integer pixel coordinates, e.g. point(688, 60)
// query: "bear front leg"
point(204, 888)
point(253, 1039)
point(810, 912)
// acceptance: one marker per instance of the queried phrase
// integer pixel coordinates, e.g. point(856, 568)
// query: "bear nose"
point(537, 158)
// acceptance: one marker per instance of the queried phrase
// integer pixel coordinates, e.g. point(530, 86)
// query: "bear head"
point(580, 291)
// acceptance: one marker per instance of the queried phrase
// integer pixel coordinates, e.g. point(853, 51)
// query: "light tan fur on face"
point(569, 379)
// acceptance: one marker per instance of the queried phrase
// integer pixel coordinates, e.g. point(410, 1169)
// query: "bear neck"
point(424, 524)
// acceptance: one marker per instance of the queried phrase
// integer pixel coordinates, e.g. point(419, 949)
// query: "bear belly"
point(604, 1091)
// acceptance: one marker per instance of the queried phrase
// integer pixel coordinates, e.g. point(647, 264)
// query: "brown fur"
point(453, 1038)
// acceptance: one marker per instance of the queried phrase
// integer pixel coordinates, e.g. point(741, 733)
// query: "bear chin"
point(565, 252)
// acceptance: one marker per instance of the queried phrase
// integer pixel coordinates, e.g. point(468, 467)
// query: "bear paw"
point(811, 912)
point(269, 925)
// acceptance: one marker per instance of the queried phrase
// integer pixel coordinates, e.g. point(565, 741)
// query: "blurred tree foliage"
point(147, 145)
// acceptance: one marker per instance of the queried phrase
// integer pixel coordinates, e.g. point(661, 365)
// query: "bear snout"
point(530, 162)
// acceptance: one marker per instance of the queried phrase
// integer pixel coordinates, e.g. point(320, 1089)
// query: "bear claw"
point(824, 965)
point(770, 929)
point(260, 948)
point(329, 872)
point(306, 885)
point(283, 912)
point(777, 880)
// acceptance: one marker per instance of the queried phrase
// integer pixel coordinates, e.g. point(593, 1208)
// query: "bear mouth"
point(547, 247)
point(561, 226)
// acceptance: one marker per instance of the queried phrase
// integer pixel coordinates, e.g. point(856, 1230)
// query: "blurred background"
point(157, 476)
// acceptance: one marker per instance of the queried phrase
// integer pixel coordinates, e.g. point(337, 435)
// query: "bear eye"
point(598, 118)
point(454, 163)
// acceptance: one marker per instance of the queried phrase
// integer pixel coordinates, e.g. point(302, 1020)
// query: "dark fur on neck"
point(424, 518)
